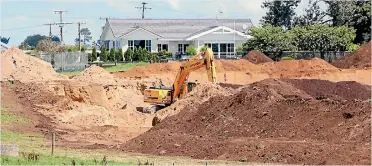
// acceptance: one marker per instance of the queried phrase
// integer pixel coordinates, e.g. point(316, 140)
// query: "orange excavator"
point(162, 97)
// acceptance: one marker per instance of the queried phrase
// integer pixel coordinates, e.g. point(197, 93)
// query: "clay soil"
point(279, 121)
point(257, 57)
point(360, 58)
point(248, 116)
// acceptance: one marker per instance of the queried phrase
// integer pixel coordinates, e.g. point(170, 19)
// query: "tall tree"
point(280, 13)
point(5, 40)
point(87, 34)
point(351, 13)
point(312, 15)
point(33, 40)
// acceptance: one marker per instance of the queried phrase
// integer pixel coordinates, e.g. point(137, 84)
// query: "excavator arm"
point(202, 59)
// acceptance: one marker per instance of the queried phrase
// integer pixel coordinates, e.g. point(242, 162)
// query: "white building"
point(175, 35)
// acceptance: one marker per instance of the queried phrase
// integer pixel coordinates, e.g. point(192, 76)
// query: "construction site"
point(256, 110)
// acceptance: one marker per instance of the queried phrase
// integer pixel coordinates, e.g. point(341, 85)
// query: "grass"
point(57, 160)
point(118, 67)
point(7, 117)
point(124, 66)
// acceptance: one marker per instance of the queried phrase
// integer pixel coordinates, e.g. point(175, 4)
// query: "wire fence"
point(329, 56)
point(66, 61)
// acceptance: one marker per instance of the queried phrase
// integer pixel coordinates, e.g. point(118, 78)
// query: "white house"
point(175, 35)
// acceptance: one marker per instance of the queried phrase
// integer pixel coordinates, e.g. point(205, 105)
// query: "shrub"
point(119, 55)
point(112, 55)
point(203, 48)
point(89, 57)
point(94, 54)
point(83, 48)
point(191, 50)
point(287, 58)
point(103, 55)
point(352, 47)
point(128, 55)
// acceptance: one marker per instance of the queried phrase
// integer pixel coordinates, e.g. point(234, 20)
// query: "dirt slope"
point(257, 57)
point(360, 58)
point(268, 121)
point(16, 65)
point(96, 74)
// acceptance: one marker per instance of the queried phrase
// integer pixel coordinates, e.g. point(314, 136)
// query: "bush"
point(112, 55)
point(128, 55)
point(119, 55)
point(203, 48)
point(287, 58)
point(94, 54)
point(352, 47)
point(191, 50)
point(103, 55)
point(89, 57)
point(83, 48)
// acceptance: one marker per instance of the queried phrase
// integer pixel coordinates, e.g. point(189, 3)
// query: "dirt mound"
point(198, 95)
point(360, 58)
point(269, 121)
point(96, 74)
point(257, 57)
point(296, 68)
point(16, 65)
point(173, 67)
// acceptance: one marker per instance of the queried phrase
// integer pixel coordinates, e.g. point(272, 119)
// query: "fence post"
point(53, 142)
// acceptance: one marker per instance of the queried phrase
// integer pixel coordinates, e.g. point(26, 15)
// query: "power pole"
point(60, 12)
point(50, 29)
point(79, 23)
point(143, 9)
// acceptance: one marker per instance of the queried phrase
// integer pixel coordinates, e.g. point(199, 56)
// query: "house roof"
point(175, 28)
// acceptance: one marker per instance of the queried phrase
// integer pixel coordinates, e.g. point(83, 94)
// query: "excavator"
point(162, 97)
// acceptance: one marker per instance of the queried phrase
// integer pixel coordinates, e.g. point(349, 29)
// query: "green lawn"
point(118, 67)
point(7, 117)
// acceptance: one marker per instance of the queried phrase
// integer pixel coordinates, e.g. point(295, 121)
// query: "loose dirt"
point(16, 65)
point(268, 121)
point(96, 74)
point(257, 57)
point(360, 58)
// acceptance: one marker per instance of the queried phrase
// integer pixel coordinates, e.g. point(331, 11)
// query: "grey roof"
point(175, 28)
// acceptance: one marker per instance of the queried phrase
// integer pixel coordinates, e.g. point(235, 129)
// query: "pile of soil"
point(270, 121)
point(360, 58)
point(197, 96)
point(297, 68)
point(257, 57)
point(173, 67)
point(16, 65)
point(96, 74)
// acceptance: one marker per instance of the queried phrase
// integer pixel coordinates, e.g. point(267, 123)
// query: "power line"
point(143, 9)
point(28, 27)
point(60, 12)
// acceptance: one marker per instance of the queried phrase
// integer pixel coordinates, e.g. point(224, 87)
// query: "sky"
point(21, 18)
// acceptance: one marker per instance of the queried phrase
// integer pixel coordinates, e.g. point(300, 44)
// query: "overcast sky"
point(20, 18)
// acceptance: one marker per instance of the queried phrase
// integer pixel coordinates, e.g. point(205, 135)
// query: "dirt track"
point(265, 121)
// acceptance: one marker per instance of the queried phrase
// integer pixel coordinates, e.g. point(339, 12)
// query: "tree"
point(34, 39)
point(119, 55)
point(128, 55)
point(191, 50)
point(280, 13)
point(50, 46)
point(56, 39)
point(87, 34)
point(112, 55)
point(94, 54)
point(313, 15)
point(270, 40)
point(5, 40)
point(352, 13)
point(103, 55)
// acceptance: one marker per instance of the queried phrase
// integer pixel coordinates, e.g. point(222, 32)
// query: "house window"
point(148, 45)
point(182, 47)
point(230, 47)
point(162, 47)
point(131, 44)
point(107, 45)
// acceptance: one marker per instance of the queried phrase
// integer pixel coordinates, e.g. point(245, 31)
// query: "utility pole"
point(79, 23)
point(143, 9)
point(50, 29)
point(60, 12)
